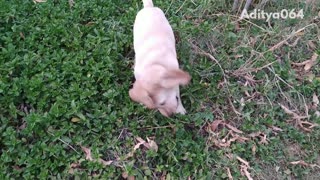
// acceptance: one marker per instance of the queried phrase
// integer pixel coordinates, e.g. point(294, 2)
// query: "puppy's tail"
point(147, 3)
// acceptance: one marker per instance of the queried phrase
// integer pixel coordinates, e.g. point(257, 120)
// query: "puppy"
point(156, 66)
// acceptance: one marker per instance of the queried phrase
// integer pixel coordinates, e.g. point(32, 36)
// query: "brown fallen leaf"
point(276, 128)
point(125, 175)
point(74, 165)
point(214, 125)
point(152, 145)
point(301, 63)
point(233, 129)
point(254, 149)
point(308, 63)
point(238, 56)
point(87, 151)
point(301, 162)
point(141, 142)
point(261, 135)
point(312, 62)
point(290, 112)
point(106, 163)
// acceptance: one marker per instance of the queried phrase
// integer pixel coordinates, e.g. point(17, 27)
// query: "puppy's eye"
point(177, 98)
point(163, 103)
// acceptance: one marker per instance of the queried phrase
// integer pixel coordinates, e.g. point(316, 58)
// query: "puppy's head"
point(159, 90)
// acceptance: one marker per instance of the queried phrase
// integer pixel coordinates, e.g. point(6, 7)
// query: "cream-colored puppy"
point(156, 67)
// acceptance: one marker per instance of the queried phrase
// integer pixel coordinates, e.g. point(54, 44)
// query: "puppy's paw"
point(181, 110)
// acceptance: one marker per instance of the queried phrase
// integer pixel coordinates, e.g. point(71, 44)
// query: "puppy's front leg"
point(180, 108)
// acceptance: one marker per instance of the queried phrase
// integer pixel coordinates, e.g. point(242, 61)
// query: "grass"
point(65, 72)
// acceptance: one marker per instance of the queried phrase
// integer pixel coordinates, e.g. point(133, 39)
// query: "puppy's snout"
point(165, 112)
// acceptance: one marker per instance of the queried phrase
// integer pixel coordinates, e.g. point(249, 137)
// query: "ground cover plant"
point(66, 68)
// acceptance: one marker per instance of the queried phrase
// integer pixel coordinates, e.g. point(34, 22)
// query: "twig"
point(158, 127)
point(65, 143)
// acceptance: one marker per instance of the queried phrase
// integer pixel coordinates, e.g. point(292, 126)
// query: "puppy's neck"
point(150, 73)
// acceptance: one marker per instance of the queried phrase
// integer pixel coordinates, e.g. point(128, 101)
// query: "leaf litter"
point(308, 64)
point(149, 144)
point(304, 125)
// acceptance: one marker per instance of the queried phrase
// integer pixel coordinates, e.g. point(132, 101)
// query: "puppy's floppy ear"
point(175, 77)
point(140, 95)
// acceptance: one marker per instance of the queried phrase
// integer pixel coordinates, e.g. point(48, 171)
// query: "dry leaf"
point(312, 62)
point(254, 149)
point(87, 151)
point(238, 56)
point(106, 163)
point(214, 125)
point(308, 63)
point(233, 129)
point(125, 175)
point(75, 119)
point(276, 128)
point(315, 99)
point(301, 162)
point(74, 165)
point(317, 113)
point(295, 115)
point(152, 145)
point(301, 63)
point(141, 142)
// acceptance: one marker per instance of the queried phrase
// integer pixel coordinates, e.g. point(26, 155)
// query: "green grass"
point(65, 73)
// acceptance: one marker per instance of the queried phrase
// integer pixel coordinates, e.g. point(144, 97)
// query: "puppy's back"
point(152, 25)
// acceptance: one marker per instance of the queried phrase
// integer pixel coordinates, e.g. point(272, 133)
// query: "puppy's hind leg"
point(180, 108)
